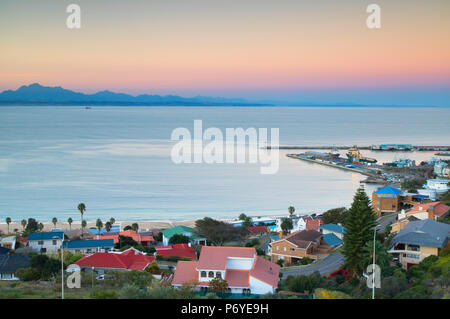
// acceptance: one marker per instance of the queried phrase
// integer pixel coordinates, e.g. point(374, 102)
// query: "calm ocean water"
point(117, 160)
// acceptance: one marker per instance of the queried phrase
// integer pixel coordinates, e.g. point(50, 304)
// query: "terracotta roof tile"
point(215, 258)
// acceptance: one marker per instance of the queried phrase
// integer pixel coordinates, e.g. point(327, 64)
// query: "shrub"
point(28, 274)
point(133, 292)
point(105, 294)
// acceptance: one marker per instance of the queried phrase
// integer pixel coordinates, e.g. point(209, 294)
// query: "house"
point(434, 188)
point(336, 229)
point(257, 230)
point(402, 222)
point(89, 246)
point(140, 238)
point(432, 210)
point(293, 247)
point(386, 200)
point(257, 221)
point(8, 242)
point(114, 229)
point(313, 223)
point(329, 242)
point(418, 240)
point(179, 250)
point(46, 242)
point(240, 267)
point(183, 230)
point(130, 259)
point(9, 263)
point(75, 234)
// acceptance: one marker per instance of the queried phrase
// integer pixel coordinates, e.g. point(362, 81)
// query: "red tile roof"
point(262, 269)
point(215, 258)
point(257, 229)
point(128, 233)
point(185, 272)
point(265, 271)
point(237, 278)
point(128, 259)
point(180, 250)
point(438, 208)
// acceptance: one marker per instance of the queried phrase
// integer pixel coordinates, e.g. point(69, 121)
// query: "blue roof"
point(332, 240)
point(89, 243)
point(425, 232)
point(333, 227)
point(114, 229)
point(388, 190)
point(46, 235)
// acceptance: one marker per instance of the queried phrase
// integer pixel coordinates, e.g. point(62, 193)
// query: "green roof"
point(177, 230)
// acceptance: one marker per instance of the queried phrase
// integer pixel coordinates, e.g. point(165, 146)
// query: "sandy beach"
point(160, 224)
point(143, 225)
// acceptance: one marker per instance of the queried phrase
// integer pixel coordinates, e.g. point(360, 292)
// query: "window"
point(218, 274)
point(54, 242)
point(413, 256)
point(203, 274)
point(292, 249)
point(278, 248)
point(284, 248)
point(40, 242)
point(211, 274)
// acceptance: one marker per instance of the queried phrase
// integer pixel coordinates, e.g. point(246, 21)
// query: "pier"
point(355, 169)
point(417, 148)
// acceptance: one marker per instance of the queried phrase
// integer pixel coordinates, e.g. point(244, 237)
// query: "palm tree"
point(112, 221)
point(81, 207)
point(40, 226)
point(8, 221)
point(135, 227)
point(99, 225)
point(70, 221)
point(83, 225)
point(23, 223)
point(291, 210)
point(108, 226)
point(54, 221)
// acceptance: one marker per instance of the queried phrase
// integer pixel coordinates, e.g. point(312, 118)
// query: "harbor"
point(380, 147)
point(394, 171)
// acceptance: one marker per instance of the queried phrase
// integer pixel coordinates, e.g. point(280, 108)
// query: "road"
point(381, 226)
point(327, 265)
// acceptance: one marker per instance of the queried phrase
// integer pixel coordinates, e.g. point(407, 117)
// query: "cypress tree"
point(359, 226)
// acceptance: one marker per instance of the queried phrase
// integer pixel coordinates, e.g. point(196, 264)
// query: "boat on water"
point(354, 156)
point(335, 153)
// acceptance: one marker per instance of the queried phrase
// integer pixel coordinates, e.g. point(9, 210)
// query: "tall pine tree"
point(359, 226)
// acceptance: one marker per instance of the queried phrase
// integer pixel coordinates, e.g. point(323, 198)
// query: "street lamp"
point(62, 266)
point(373, 264)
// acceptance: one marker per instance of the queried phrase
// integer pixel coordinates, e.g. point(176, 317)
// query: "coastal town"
point(405, 223)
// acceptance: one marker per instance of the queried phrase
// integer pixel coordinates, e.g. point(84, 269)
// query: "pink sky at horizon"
point(199, 47)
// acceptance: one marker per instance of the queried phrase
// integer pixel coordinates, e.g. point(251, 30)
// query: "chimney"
point(270, 270)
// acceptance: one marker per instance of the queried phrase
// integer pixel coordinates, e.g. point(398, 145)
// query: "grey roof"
point(425, 232)
point(11, 262)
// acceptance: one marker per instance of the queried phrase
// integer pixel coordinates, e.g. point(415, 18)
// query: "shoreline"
point(143, 224)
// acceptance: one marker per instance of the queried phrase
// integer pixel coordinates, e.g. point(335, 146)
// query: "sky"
point(312, 51)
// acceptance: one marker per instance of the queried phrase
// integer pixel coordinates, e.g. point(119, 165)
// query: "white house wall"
point(259, 287)
point(239, 263)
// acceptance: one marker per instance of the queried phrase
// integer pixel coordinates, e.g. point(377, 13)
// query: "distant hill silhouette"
point(36, 94)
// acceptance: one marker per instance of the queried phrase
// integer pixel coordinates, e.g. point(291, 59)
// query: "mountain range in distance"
point(36, 94)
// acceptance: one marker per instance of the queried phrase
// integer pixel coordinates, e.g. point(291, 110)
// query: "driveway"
point(325, 266)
